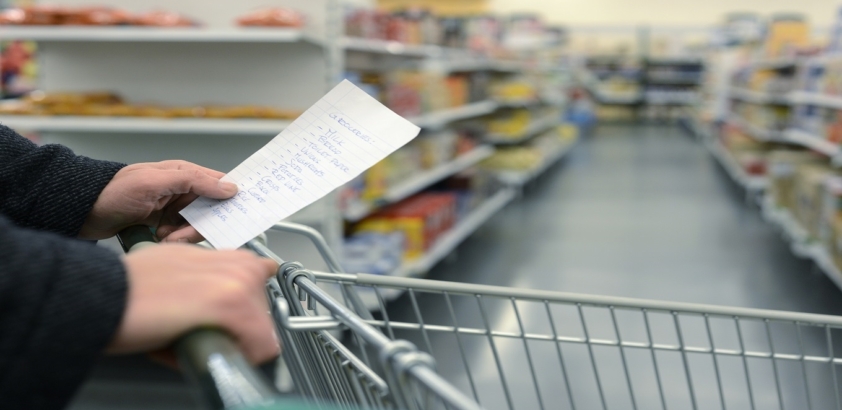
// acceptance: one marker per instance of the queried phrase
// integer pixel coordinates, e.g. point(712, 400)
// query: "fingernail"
point(228, 187)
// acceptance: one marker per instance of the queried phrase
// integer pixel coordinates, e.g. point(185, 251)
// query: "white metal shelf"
point(818, 99)
point(758, 133)
point(758, 97)
point(520, 178)
point(154, 34)
point(450, 240)
point(799, 239)
point(751, 183)
point(131, 125)
point(812, 141)
point(775, 63)
point(391, 47)
point(520, 102)
point(537, 127)
point(439, 119)
point(420, 181)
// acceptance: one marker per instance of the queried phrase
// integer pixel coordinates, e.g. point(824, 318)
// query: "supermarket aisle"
point(639, 212)
point(643, 212)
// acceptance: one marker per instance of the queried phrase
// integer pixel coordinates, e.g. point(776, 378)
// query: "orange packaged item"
point(97, 16)
point(163, 19)
point(272, 17)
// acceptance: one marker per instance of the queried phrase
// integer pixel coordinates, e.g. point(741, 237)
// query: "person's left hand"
point(152, 194)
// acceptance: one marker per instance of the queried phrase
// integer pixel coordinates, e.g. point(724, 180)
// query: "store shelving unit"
point(224, 64)
point(751, 183)
point(450, 240)
point(217, 63)
point(518, 179)
point(757, 97)
point(537, 127)
point(801, 244)
point(815, 142)
point(817, 99)
point(438, 119)
point(419, 182)
point(146, 125)
point(758, 133)
point(73, 34)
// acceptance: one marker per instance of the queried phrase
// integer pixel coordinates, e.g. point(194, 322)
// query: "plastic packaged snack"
point(272, 17)
point(161, 18)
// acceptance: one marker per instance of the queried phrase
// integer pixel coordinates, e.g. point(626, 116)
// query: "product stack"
point(785, 129)
point(109, 104)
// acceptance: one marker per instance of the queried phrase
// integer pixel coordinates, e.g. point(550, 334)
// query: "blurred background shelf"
point(439, 119)
point(751, 183)
point(154, 34)
point(817, 99)
point(146, 125)
point(758, 133)
point(815, 142)
point(757, 97)
point(538, 126)
point(359, 210)
point(450, 240)
point(521, 178)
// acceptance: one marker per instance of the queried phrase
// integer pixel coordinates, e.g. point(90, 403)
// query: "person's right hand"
point(175, 288)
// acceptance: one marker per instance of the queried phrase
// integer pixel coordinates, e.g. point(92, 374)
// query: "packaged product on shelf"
point(786, 32)
point(403, 93)
point(518, 89)
point(514, 159)
point(272, 17)
point(90, 16)
point(809, 196)
point(782, 167)
point(831, 211)
point(163, 19)
point(112, 105)
point(511, 124)
point(377, 253)
point(421, 219)
point(833, 244)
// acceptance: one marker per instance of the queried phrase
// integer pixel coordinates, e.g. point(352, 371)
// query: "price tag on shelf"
point(340, 136)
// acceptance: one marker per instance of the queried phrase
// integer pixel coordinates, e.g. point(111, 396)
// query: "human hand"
point(152, 194)
point(176, 288)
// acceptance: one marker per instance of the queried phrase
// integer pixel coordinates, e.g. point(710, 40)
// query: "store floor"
point(634, 211)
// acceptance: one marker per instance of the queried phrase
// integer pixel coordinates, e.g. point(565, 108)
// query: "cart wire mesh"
point(509, 348)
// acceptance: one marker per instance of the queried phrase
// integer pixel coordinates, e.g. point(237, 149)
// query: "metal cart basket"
point(465, 346)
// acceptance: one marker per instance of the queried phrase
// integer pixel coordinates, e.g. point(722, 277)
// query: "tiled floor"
point(641, 212)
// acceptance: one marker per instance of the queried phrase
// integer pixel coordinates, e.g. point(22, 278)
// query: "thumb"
point(190, 181)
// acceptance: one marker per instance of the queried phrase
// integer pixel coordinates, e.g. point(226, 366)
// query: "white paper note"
point(343, 134)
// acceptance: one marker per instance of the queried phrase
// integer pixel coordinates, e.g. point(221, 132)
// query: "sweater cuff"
point(85, 178)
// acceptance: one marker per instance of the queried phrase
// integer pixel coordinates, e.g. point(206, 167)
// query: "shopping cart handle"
point(209, 357)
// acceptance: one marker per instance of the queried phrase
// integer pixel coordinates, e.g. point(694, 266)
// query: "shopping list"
point(340, 136)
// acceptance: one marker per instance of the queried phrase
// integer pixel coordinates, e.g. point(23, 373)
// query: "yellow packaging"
point(785, 35)
point(412, 229)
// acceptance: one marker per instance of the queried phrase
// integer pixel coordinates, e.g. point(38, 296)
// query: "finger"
point(185, 233)
point(171, 220)
point(195, 182)
point(270, 267)
point(259, 341)
point(184, 165)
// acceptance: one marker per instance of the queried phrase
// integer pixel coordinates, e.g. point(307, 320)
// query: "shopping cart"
point(496, 347)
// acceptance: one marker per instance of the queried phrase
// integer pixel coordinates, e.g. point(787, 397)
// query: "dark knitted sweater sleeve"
point(48, 188)
point(61, 301)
